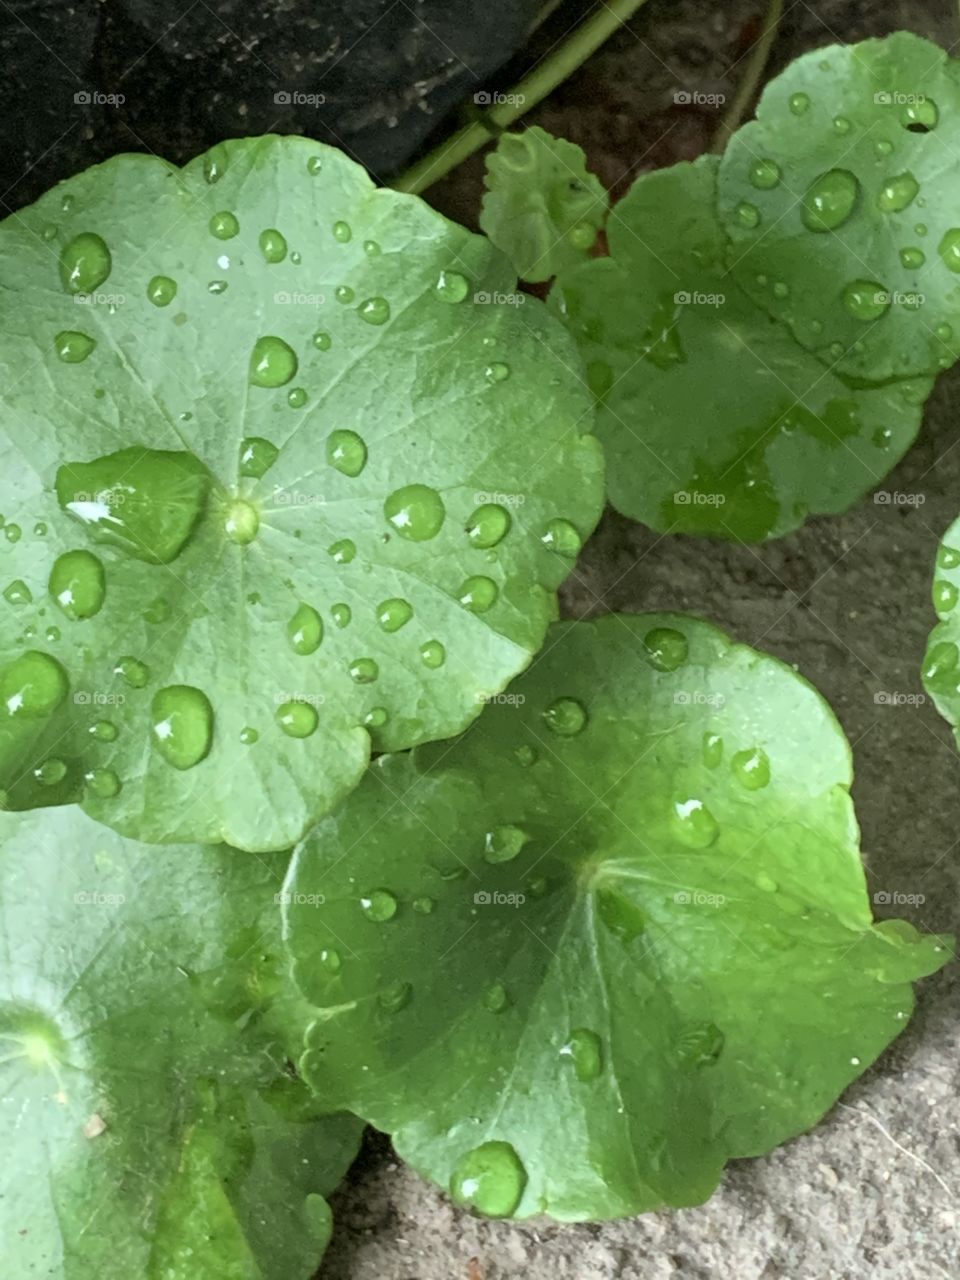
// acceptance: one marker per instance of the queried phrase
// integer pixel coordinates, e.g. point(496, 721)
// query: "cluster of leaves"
point(283, 488)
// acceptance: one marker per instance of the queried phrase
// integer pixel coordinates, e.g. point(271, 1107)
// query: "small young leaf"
point(841, 201)
point(152, 1125)
point(274, 487)
point(941, 665)
point(615, 936)
point(541, 207)
point(714, 419)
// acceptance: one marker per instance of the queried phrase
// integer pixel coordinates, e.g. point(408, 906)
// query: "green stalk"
point(533, 88)
point(748, 85)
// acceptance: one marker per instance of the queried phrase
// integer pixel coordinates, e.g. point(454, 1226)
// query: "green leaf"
point(541, 207)
point(616, 935)
point(300, 477)
point(152, 1124)
point(841, 201)
point(941, 665)
point(714, 420)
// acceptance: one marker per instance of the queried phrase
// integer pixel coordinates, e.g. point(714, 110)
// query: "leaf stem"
point(748, 85)
point(533, 88)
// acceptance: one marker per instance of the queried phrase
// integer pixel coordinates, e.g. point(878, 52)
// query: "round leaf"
point(778, 437)
point(298, 476)
point(841, 201)
point(941, 665)
point(541, 207)
point(616, 935)
point(152, 1124)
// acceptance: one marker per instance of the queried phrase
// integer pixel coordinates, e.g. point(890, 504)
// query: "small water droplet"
point(241, 521)
point(257, 456)
point(562, 537)
point(297, 719)
point(84, 263)
point(497, 371)
point(496, 999)
point(342, 232)
point(379, 905)
point(748, 215)
point(374, 311)
point(249, 735)
point(751, 768)
point(666, 648)
point(297, 398)
point(394, 614)
point(272, 362)
point(224, 225)
point(132, 671)
point(490, 1179)
point(73, 347)
point(451, 286)
point(103, 783)
point(305, 630)
point(215, 164)
point(343, 294)
point(341, 614)
point(343, 552)
point(584, 1050)
point(897, 193)
point(50, 772)
point(347, 452)
point(948, 557)
point(182, 725)
point(17, 593)
point(415, 511)
point(488, 525)
point(12, 532)
point(104, 731)
point(503, 844)
point(314, 165)
point(694, 824)
point(273, 245)
point(78, 585)
point(433, 654)
point(764, 174)
point(830, 200)
point(330, 959)
point(322, 341)
point(478, 594)
point(920, 116)
point(912, 257)
point(712, 749)
point(424, 906)
point(766, 883)
point(865, 299)
point(799, 103)
point(944, 596)
point(841, 124)
point(376, 718)
point(363, 670)
point(161, 291)
point(371, 248)
point(566, 717)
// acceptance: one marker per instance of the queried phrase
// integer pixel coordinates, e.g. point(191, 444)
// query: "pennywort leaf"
point(840, 201)
point(541, 206)
point(615, 936)
point(146, 1029)
point(276, 489)
point(715, 420)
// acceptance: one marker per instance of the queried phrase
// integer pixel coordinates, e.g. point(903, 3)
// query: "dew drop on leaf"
point(363, 670)
point(248, 735)
point(241, 521)
point(451, 286)
point(799, 103)
point(488, 525)
point(394, 614)
point(322, 341)
point(562, 537)
point(495, 998)
point(525, 755)
point(748, 215)
point(478, 594)
point(161, 291)
point(273, 246)
point(51, 772)
point(694, 824)
point(12, 533)
point(948, 557)
point(297, 719)
point(33, 685)
point(393, 998)
point(17, 593)
point(433, 654)
point(343, 294)
point(897, 193)
point(181, 720)
point(330, 959)
point(712, 750)
point(503, 844)
point(376, 718)
point(497, 371)
point(78, 584)
point(566, 717)
point(342, 232)
point(346, 452)
point(584, 1052)
point(132, 671)
point(415, 511)
point(764, 174)
point(297, 397)
point(944, 595)
point(305, 630)
point(424, 906)
point(921, 116)
point(666, 648)
point(341, 614)
point(314, 165)
point(257, 456)
point(104, 731)
point(949, 248)
point(829, 200)
point(490, 1179)
point(102, 783)
point(379, 905)
point(73, 347)
point(343, 552)
point(912, 257)
point(866, 299)
point(374, 311)
point(84, 263)
point(751, 768)
point(272, 362)
point(224, 225)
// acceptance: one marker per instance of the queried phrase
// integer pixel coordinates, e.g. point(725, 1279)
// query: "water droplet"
point(305, 630)
point(919, 117)
point(944, 332)
point(241, 521)
point(488, 525)
point(666, 648)
point(343, 552)
point(40, 529)
point(694, 824)
point(799, 103)
point(912, 257)
point(224, 225)
point(766, 883)
point(297, 719)
point(314, 165)
point(712, 749)
point(161, 291)
point(920, 229)
point(944, 596)
point(104, 731)
point(182, 724)
point(764, 174)
point(781, 289)
point(451, 286)
point(17, 593)
point(503, 844)
point(379, 905)
point(322, 341)
point(157, 611)
point(561, 536)
point(393, 998)
point(363, 670)
point(948, 557)
point(12, 532)
point(272, 362)
point(490, 1179)
point(131, 670)
point(343, 294)
point(584, 1050)
point(346, 452)
point(751, 768)
point(394, 614)
point(33, 685)
point(433, 654)
point(841, 124)
point(949, 249)
point(215, 164)
point(146, 501)
point(73, 347)
point(217, 286)
point(424, 906)
point(374, 311)
point(78, 584)
point(50, 772)
point(566, 717)
point(52, 634)
point(865, 299)
point(341, 614)
point(103, 783)
point(830, 200)
point(273, 246)
point(297, 398)
point(883, 148)
point(84, 263)
point(257, 456)
point(495, 998)
point(376, 718)
point(525, 755)
point(748, 215)
point(342, 232)
point(478, 594)
point(371, 248)
point(700, 1045)
point(497, 372)
point(897, 193)
point(330, 959)
point(415, 511)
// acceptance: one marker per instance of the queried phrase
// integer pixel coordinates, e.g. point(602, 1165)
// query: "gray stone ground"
point(875, 1189)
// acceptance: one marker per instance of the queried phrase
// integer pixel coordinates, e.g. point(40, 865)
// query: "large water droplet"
point(433, 654)
point(297, 719)
point(764, 174)
point(273, 246)
point(272, 362)
point(104, 731)
point(865, 299)
point(346, 452)
point(949, 249)
point(73, 347)
point(561, 536)
point(305, 630)
point(374, 311)
point(51, 772)
point(451, 286)
point(584, 1050)
point(379, 905)
point(497, 371)
point(503, 844)
point(415, 511)
point(394, 614)
point(751, 768)
point(919, 117)
point(694, 824)
point(490, 1179)
point(102, 783)
point(84, 263)
point(912, 257)
point(944, 596)
point(257, 456)
point(33, 686)
point(364, 670)
point(478, 594)
point(566, 717)
point(341, 614)
point(488, 525)
point(78, 585)
point(161, 291)
point(224, 225)
point(830, 200)
point(241, 521)
point(666, 648)
point(897, 193)
point(182, 723)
